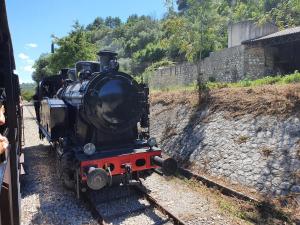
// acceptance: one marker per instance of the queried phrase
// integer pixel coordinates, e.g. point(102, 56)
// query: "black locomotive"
point(97, 119)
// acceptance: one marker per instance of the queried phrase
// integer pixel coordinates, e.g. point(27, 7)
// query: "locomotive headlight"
point(151, 142)
point(89, 149)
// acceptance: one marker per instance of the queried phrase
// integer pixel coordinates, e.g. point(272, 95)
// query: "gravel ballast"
point(189, 205)
point(44, 200)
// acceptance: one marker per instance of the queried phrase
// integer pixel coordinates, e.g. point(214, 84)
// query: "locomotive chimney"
point(108, 61)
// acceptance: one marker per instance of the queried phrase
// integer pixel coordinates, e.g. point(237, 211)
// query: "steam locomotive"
point(97, 120)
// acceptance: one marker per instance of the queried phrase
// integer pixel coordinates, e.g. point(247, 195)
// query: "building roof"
point(282, 33)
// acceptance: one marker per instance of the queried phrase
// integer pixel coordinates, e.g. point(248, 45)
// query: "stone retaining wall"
point(229, 65)
point(182, 74)
point(224, 66)
point(261, 152)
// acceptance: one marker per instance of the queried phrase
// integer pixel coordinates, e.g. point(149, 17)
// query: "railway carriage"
point(11, 161)
point(97, 120)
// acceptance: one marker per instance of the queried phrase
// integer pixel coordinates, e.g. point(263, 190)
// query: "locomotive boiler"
point(97, 120)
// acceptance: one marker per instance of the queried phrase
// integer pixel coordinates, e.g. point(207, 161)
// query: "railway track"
point(123, 204)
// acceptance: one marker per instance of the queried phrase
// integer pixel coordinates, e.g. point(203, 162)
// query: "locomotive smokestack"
point(169, 166)
point(108, 61)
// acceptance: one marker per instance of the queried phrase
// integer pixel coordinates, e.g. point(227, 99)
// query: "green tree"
point(139, 31)
point(200, 29)
point(42, 68)
point(284, 13)
point(182, 5)
point(72, 48)
point(97, 24)
point(113, 22)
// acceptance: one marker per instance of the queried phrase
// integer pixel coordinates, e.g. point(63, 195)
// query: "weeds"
point(298, 153)
point(27, 94)
point(287, 79)
point(266, 151)
point(242, 139)
point(269, 80)
point(249, 212)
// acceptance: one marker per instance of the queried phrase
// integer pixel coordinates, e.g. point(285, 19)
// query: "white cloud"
point(28, 69)
point(32, 45)
point(23, 56)
point(30, 61)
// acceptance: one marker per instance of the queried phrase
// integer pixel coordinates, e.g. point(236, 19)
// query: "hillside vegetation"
point(27, 91)
point(188, 31)
point(279, 79)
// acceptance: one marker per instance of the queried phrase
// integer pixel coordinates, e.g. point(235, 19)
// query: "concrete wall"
point(247, 30)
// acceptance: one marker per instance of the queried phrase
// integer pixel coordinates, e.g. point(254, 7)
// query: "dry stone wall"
point(229, 65)
point(255, 62)
point(182, 74)
point(224, 66)
point(261, 152)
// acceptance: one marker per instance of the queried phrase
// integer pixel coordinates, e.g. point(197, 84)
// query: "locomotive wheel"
point(66, 170)
point(68, 182)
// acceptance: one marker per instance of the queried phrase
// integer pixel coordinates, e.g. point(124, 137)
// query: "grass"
point(266, 151)
point(27, 90)
point(27, 94)
point(263, 213)
point(190, 87)
point(269, 80)
point(242, 139)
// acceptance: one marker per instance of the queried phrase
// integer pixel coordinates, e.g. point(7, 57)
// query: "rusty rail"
point(141, 191)
point(176, 220)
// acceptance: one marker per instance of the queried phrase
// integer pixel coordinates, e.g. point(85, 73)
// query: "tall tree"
point(42, 68)
point(97, 24)
point(72, 48)
point(113, 22)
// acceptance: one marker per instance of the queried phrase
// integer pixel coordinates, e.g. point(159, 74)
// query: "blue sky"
point(33, 21)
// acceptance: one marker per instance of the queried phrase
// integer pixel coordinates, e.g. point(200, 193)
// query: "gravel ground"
point(44, 200)
point(187, 204)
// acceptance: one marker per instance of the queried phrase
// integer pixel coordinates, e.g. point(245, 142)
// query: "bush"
point(27, 95)
point(150, 70)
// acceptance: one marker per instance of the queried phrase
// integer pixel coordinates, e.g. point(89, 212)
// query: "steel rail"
point(142, 191)
point(176, 220)
point(212, 184)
